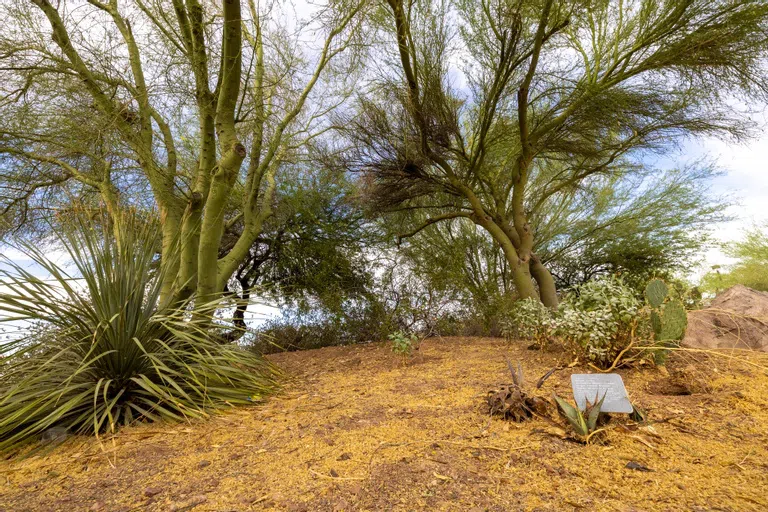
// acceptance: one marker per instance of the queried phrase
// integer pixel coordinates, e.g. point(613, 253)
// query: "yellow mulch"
point(355, 429)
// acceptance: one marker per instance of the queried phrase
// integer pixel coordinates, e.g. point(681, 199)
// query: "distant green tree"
point(639, 223)
point(751, 269)
point(311, 253)
point(462, 262)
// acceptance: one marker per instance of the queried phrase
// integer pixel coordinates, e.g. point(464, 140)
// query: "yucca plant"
point(98, 351)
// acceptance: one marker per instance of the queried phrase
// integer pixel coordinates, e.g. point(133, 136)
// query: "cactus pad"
point(656, 323)
point(674, 320)
point(656, 291)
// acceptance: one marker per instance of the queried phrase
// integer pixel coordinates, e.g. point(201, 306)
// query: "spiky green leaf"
point(101, 352)
point(638, 414)
point(594, 414)
point(572, 415)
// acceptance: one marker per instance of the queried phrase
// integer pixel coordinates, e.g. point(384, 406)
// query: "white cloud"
point(745, 181)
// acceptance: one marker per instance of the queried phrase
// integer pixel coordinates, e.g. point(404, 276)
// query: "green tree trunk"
point(546, 282)
point(521, 275)
point(169, 255)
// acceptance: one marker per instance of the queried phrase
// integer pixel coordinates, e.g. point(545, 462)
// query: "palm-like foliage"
point(102, 352)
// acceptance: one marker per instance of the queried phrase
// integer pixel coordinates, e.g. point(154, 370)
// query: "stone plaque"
point(587, 386)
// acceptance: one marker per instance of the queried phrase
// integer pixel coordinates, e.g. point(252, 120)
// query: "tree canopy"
point(516, 138)
point(188, 107)
point(621, 225)
point(496, 111)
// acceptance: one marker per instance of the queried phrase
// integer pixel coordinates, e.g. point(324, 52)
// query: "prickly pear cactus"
point(668, 318)
point(674, 320)
point(656, 323)
point(656, 291)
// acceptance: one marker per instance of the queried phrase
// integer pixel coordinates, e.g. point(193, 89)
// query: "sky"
point(745, 181)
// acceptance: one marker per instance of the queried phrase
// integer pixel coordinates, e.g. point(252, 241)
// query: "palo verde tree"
point(478, 101)
point(185, 106)
point(639, 224)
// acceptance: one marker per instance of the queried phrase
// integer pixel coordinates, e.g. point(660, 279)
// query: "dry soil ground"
point(355, 429)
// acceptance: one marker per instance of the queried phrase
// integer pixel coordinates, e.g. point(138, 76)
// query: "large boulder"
point(737, 318)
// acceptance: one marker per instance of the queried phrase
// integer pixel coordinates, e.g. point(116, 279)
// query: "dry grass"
point(357, 430)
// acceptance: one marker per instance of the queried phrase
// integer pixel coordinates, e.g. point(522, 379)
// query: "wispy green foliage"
point(103, 353)
point(558, 100)
point(639, 222)
point(751, 269)
point(311, 254)
point(461, 262)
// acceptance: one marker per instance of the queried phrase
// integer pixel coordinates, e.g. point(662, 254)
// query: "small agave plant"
point(583, 424)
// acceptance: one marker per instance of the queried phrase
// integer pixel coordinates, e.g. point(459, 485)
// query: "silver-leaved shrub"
point(529, 319)
point(596, 320)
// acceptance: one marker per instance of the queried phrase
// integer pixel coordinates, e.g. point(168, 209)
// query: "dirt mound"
point(737, 318)
point(358, 429)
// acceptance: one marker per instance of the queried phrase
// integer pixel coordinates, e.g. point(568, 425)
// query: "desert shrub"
point(403, 343)
point(297, 330)
point(362, 321)
point(528, 319)
point(279, 335)
point(285, 335)
point(110, 354)
point(599, 319)
point(448, 325)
